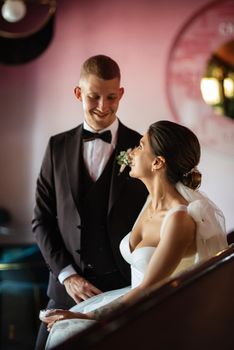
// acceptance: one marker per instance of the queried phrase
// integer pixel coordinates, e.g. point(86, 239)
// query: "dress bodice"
point(140, 257)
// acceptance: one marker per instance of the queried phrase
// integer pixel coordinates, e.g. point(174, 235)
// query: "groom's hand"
point(79, 288)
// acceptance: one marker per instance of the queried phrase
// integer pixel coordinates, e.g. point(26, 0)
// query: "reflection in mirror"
point(217, 84)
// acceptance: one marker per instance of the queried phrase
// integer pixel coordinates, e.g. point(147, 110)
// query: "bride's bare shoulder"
point(181, 224)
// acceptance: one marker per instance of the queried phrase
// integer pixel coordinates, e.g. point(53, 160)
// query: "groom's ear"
point(77, 92)
point(158, 163)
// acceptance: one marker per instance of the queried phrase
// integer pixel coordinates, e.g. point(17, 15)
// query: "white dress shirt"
point(96, 154)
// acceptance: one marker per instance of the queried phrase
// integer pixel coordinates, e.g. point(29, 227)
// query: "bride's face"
point(142, 159)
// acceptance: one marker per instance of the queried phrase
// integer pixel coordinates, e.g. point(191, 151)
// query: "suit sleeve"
point(45, 223)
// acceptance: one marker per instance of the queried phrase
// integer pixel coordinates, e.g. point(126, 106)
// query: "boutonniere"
point(123, 159)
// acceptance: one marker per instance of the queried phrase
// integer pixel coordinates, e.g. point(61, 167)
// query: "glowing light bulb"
point(228, 85)
point(13, 10)
point(210, 90)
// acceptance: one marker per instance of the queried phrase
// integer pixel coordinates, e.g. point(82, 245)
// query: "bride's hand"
point(79, 288)
point(54, 315)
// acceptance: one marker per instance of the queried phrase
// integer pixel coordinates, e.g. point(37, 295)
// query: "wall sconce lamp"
point(26, 29)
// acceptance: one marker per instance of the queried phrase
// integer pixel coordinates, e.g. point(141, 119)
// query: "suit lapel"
point(72, 156)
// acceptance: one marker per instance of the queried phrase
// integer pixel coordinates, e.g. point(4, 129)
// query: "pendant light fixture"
point(13, 10)
point(26, 29)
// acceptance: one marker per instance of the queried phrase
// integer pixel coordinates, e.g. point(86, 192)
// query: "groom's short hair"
point(101, 66)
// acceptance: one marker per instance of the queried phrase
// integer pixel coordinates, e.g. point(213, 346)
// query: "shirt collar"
point(113, 128)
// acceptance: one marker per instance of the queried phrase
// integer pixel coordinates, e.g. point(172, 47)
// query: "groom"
point(84, 207)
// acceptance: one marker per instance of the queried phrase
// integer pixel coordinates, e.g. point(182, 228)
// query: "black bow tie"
point(89, 136)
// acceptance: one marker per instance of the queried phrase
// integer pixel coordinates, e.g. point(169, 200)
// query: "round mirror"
point(199, 69)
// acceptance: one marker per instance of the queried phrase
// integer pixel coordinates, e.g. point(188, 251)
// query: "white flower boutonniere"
point(123, 159)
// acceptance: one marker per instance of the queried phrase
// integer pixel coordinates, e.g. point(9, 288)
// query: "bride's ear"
point(158, 163)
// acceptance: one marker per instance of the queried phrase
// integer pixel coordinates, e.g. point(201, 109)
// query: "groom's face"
point(100, 99)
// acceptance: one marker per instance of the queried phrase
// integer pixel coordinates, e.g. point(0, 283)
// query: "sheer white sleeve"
point(211, 236)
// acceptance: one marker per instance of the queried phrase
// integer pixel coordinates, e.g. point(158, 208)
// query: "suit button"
point(48, 266)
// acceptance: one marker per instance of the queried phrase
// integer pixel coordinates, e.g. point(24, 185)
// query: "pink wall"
point(37, 99)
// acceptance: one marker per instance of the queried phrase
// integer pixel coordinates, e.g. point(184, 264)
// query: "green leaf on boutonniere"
point(123, 159)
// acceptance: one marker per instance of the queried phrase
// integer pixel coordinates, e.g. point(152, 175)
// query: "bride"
point(177, 226)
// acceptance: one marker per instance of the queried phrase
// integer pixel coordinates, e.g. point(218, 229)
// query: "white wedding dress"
point(210, 238)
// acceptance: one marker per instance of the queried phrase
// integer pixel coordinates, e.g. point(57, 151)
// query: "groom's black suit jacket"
point(57, 221)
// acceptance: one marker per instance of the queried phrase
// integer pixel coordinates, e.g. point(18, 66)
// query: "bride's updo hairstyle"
point(180, 148)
